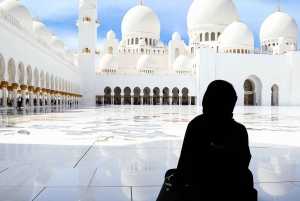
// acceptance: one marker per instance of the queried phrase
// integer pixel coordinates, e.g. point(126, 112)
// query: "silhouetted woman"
point(215, 154)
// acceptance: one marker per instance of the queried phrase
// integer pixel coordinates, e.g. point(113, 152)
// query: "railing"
point(28, 32)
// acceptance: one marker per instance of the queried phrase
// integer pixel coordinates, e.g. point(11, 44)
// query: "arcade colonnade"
point(146, 96)
point(33, 83)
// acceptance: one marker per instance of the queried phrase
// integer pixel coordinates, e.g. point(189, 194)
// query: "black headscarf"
point(219, 100)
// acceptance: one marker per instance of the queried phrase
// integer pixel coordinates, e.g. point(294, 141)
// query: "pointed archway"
point(274, 95)
point(248, 93)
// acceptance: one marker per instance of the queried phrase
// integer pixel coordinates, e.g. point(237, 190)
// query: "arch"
point(127, 96)
point(146, 40)
point(142, 50)
point(213, 36)
point(29, 76)
point(132, 41)
point(206, 36)
point(36, 77)
point(238, 51)
point(234, 51)
point(107, 95)
point(150, 41)
point(2, 68)
point(117, 97)
point(42, 79)
point(47, 81)
point(137, 93)
point(128, 41)
point(156, 97)
point(177, 53)
point(166, 92)
point(274, 95)
point(21, 73)
point(137, 41)
point(254, 92)
point(242, 51)
point(146, 99)
point(110, 50)
point(192, 50)
point(185, 96)
point(218, 35)
point(201, 35)
point(175, 98)
point(11, 71)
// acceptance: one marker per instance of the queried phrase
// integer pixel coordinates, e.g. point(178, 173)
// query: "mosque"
point(140, 69)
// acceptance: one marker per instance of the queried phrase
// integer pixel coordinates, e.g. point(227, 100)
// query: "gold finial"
point(37, 17)
point(141, 2)
point(278, 7)
point(52, 33)
point(237, 18)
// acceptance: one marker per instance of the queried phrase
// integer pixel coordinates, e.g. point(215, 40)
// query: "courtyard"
point(122, 152)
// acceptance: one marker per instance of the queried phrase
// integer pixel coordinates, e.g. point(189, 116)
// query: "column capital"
point(9, 88)
point(48, 91)
point(51, 91)
point(23, 87)
point(15, 85)
point(31, 88)
point(4, 84)
point(44, 90)
point(38, 89)
point(19, 91)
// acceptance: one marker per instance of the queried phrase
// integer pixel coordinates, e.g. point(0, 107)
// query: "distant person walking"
point(20, 100)
point(215, 153)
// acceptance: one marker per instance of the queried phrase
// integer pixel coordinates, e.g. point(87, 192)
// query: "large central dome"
point(140, 19)
point(211, 12)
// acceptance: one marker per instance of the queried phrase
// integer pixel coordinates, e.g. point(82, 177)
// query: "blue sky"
point(60, 16)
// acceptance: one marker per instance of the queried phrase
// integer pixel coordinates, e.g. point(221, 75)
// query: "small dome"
point(281, 40)
point(17, 10)
point(58, 45)
point(208, 12)
point(145, 62)
point(111, 35)
point(108, 61)
point(182, 63)
point(160, 44)
point(176, 36)
point(142, 42)
point(236, 34)
point(69, 54)
point(42, 31)
point(141, 19)
point(195, 39)
point(122, 43)
point(278, 25)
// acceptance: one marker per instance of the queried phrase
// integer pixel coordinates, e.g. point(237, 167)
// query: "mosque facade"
point(140, 69)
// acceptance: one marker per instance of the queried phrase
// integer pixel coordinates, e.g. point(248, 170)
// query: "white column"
point(189, 100)
point(15, 94)
point(48, 97)
point(160, 100)
point(4, 85)
point(44, 96)
point(38, 90)
point(142, 100)
point(23, 91)
point(131, 99)
point(170, 100)
point(30, 90)
point(122, 99)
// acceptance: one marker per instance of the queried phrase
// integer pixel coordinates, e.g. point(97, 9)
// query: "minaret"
point(87, 43)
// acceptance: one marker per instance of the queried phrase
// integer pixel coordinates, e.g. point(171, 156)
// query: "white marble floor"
point(117, 153)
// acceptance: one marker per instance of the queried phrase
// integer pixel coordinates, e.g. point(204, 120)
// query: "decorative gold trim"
point(30, 88)
point(86, 50)
point(86, 19)
point(44, 90)
point(4, 84)
point(15, 85)
point(23, 87)
point(38, 89)
point(19, 91)
point(9, 88)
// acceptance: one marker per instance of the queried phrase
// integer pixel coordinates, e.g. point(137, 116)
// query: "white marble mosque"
point(120, 150)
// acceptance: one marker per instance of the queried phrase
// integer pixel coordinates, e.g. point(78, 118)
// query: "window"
point(213, 36)
point(206, 36)
point(201, 37)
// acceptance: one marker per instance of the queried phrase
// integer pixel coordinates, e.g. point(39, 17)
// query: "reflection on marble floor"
point(122, 152)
